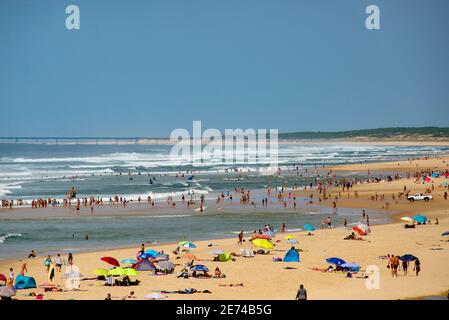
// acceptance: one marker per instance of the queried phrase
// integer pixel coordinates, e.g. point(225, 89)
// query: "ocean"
point(29, 171)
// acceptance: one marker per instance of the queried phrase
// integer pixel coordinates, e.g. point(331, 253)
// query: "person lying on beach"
point(231, 285)
point(352, 236)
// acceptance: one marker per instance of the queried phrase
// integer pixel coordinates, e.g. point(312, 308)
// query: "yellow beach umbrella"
point(130, 272)
point(117, 272)
point(407, 219)
point(101, 272)
point(289, 237)
point(263, 243)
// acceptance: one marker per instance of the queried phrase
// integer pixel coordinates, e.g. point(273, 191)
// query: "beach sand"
point(264, 279)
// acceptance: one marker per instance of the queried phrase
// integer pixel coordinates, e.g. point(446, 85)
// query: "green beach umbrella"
point(130, 272)
point(117, 272)
point(101, 272)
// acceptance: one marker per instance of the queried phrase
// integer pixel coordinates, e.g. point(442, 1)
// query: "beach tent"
point(24, 282)
point(336, 261)
point(435, 175)
point(291, 256)
point(420, 218)
point(143, 265)
point(223, 257)
point(309, 227)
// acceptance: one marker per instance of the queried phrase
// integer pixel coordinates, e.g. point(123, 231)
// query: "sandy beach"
point(263, 278)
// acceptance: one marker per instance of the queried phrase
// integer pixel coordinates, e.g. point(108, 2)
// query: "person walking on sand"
point(283, 227)
point(23, 269)
point(404, 267)
point(11, 277)
point(70, 259)
point(417, 267)
point(240, 237)
point(301, 294)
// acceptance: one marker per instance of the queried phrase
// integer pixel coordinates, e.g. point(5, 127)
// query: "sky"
point(144, 68)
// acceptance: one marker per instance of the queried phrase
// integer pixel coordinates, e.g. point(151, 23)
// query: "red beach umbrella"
point(2, 277)
point(111, 261)
point(359, 231)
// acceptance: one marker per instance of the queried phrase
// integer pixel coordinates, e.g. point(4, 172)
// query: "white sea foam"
point(4, 237)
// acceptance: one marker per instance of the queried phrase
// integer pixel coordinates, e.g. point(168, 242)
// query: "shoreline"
point(424, 241)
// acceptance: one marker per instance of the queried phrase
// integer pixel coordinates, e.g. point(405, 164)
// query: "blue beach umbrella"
point(309, 227)
point(336, 261)
point(354, 267)
point(408, 257)
point(128, 261)
point(445, 233)
point(145, 256)
point(188, 245)
point(199, 267)
point(152, 252)
point(420, 218)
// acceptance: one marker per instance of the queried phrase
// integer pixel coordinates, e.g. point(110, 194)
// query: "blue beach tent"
point(291, 256)
point(24, 282)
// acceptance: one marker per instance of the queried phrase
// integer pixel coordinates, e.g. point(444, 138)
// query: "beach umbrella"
point(199, 267)
point(358, 230)
point(128, 261)
point(165, 265)
point(145, 256)
point(263, 243)
point(363, 227)
point(408, 257)
point(163, 257)
point(101, 272)
point(292, 241)
point(262, 236)
point(269, 234)
point(289, 237)
point(420, 218)
point(407, 219)
point(7, 292)
point(216, 252)
point(190, 256)
point(351, 267)
point(130, 272)
point(309, 227)
point(117, 272)
point(155, 296)
point(336, 261)
point(188, 245)
point(445, 233)
point(2, 277)
point(111, 261)
point(152, 252)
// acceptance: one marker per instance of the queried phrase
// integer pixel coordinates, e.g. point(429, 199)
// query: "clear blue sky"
point(143, 68)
